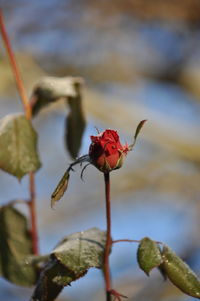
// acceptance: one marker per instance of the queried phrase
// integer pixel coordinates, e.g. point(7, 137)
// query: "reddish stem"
point(108, 238)
point(15, 68)
point(27, 110)
point(32, 206)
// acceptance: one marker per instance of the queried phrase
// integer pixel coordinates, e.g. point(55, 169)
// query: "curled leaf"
point(69, 261)
point(63, 183)
point(148, 255)
point(46, 289)
point(50, 89)
point(138, 129)
point(60, 189)
point(180, 273)
point(75, 125)
point(140, 125)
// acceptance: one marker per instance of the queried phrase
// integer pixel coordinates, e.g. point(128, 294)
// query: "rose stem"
point(27, 110)
point(108, 238)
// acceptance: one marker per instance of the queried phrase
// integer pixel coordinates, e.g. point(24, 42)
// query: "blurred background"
point(139, 60)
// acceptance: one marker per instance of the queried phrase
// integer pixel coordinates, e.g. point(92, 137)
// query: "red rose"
point(106, 151)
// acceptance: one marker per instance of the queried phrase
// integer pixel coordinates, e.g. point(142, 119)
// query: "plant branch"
point(133, 240)
point(27, 110)
point(32, 206)
point(108, 238)
point(15, 68)
point(125, 240)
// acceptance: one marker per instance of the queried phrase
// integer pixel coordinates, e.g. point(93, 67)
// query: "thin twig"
point(133, 240)
point(125, 240)
point(15, 68)
point(27, 110)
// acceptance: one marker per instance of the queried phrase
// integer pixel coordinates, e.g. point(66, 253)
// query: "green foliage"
point(75, 125)
point(60, 189)
point(63, 183)
point(78, 252)
point(18, 146)
point(47, 289)
point(50, 89)
point(69, 261)
point(15, 246)
point(180, 273)
point(81, 250)
point(137, 131)
point(148, 255)
point(139, 127)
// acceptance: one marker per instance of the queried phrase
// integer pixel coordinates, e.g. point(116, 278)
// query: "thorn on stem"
point(117, 296)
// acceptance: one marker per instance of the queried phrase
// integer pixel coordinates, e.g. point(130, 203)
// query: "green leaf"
point(75, 125)
point(180, 273)
point(148, 255)
point(69, 261)
point(162, 272)
point(15, 246)
point(60, 189)
point(18, 146)
point(47, 289)
point(81, 250)
point(138, 129)
point(50, 89)
point(63, 183)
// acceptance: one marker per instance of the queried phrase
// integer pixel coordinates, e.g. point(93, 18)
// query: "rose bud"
point(106, 151)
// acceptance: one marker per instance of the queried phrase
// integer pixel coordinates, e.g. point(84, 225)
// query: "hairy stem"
point(108, 238)
point(27, 110)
